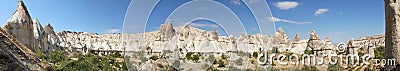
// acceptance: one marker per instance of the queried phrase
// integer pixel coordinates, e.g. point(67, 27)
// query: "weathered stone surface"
point(214, 35)
point(282, 38)
point(296, 39)
point(314, 43)
point(20, 25)
point(16, 56)
point(392, 38)
point(314, 35)
point(167, 31)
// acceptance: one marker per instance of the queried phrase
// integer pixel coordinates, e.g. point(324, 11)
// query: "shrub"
point(211, 58)
point(223, 56)
point(56, 56)
point(188, 56)
point(154, 57)
point(308, 52)
point(255, 54)
point(221, 63)
point(239, 62)
point(196, 58)
point(379, 52)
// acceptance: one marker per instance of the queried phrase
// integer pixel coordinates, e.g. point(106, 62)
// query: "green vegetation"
point(308, 52)
point(274, 69)
point(255, 54)
point(239, 62)
point(154, 57)
point(335, 67)
point(57, 56)
point(188, 56)
point(196, 58)
point(221, 63)
point(211, 58)
point(379, 52)
point(231, 68)
point(88, 62)
point(40, 55)
point(275, 50)
point(309, 68)
point(223, 56)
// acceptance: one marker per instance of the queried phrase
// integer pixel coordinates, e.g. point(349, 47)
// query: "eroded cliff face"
point(20, 25)
point(15, 56)
point(392, 38)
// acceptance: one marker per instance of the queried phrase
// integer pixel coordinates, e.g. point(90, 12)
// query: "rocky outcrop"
point(214, 35)
point(20, 25)
point(392, 38)
point(314, 35)
point(298, 46)
point(16, 56)
point(314, 43)
point(39, 34)
point(38, 29)
point(282, 38)
point(167, 31)
point(296, 39)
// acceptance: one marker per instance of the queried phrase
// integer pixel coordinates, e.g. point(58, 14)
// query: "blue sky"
point(100, 16)
point(338, 19)
point(341, 20)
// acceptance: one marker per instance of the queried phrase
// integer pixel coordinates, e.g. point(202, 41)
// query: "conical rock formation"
point(20, 26)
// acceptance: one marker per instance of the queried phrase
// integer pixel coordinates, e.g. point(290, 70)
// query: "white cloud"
point(236, 2)
point(113, 30)
point(275, 19)
point(320, 11)
point(286, 5)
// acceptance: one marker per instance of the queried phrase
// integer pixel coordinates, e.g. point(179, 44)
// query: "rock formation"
point(315, 44)
point(298, 46)
point(296, 39)
point(20, 25)
point(214, 35)
point(392, 38)
point(16, 56)
point(313, 35)
point(282, 38)
point(167, 31)
point(39, 34)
